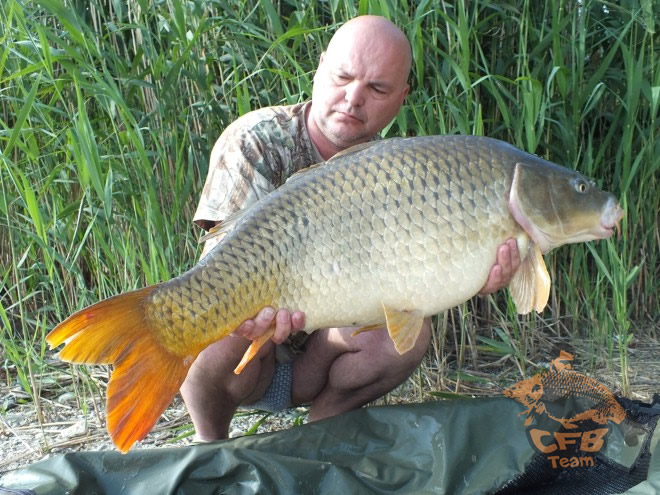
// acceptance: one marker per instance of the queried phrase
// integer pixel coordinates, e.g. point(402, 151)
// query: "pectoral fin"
point(530, 286)
point(403, 327)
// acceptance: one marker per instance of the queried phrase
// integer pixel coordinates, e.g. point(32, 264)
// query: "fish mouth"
point(611, 220)
point(605, 232)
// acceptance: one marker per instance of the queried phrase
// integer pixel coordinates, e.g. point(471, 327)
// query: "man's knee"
point(390, 358)
point(377, 360)
point(212, 391)
point(212, 371)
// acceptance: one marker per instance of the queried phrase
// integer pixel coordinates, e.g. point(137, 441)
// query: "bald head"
point(360, 83)
point(373, 35)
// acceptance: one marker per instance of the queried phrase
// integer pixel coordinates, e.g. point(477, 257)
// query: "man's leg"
point(336, 373)
point(212, 392)
point(339, 373)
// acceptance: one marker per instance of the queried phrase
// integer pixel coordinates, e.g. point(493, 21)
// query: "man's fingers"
point(514, 253)
point(244, 329)
point(504, 260)
point(262, 322)
point(506, 264)
point(265, 317)
point(493, 282)
point(496, 276)
point(282, 326)
point(285, 323)
point(508, 258)
point(255, 328)
point(297, 320)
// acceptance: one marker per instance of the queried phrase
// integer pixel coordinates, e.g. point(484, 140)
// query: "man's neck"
point(323, 145)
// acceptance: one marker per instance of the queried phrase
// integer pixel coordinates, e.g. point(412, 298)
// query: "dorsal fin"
point(220, 230)
point(347, 151)
point(303, 171)
point(353, 149)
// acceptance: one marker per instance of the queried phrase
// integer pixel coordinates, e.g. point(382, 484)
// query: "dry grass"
point(64, 420)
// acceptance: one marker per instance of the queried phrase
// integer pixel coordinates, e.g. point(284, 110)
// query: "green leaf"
point(26, 108)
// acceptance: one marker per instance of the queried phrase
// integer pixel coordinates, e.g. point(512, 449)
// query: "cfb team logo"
point(580, 405)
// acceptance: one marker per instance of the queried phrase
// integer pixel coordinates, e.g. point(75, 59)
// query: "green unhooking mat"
point(461, 446)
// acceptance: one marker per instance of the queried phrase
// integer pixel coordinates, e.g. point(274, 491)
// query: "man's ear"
point(319, 66)
point(405, 93)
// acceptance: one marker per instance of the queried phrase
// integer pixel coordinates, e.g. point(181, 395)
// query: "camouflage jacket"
point(252, 157)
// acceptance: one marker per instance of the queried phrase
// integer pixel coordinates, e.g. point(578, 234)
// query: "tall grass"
point(108, 111)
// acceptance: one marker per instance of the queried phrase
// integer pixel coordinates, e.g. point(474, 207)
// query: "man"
point(359, 86)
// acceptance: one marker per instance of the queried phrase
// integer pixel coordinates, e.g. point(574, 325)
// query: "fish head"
point(559, 206)
point(527, 392)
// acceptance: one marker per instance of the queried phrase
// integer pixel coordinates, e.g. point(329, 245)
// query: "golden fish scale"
point(572, 384)
point(412, 224)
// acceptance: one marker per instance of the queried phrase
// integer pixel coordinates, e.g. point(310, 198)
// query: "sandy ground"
point(70, 415)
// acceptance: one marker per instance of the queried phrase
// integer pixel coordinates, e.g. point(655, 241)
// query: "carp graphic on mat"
point(561, 382)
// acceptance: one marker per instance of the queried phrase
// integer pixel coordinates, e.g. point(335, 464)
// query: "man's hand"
point(508, 261)
point(285, 324)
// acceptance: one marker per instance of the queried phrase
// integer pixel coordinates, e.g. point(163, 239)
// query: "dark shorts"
point(278, 394)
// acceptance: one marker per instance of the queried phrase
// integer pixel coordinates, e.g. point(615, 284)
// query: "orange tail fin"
point(146, 376)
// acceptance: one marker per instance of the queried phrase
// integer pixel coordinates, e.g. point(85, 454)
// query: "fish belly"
point(339, 293)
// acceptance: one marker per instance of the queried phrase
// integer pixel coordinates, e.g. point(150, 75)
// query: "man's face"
point(359, 87)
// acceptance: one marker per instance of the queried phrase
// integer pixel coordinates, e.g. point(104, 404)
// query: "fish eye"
point(580, 186)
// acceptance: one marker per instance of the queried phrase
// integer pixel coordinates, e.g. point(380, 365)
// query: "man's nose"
point(355, 94)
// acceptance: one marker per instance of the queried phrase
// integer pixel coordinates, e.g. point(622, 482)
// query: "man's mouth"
point(349, 116)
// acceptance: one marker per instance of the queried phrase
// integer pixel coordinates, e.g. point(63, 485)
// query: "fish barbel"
point(383, 233)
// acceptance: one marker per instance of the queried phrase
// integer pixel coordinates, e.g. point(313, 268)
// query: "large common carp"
point(387, 232)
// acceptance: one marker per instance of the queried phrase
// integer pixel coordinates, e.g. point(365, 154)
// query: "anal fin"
point(368, 328)
point(404, 327)
point(254, 349)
